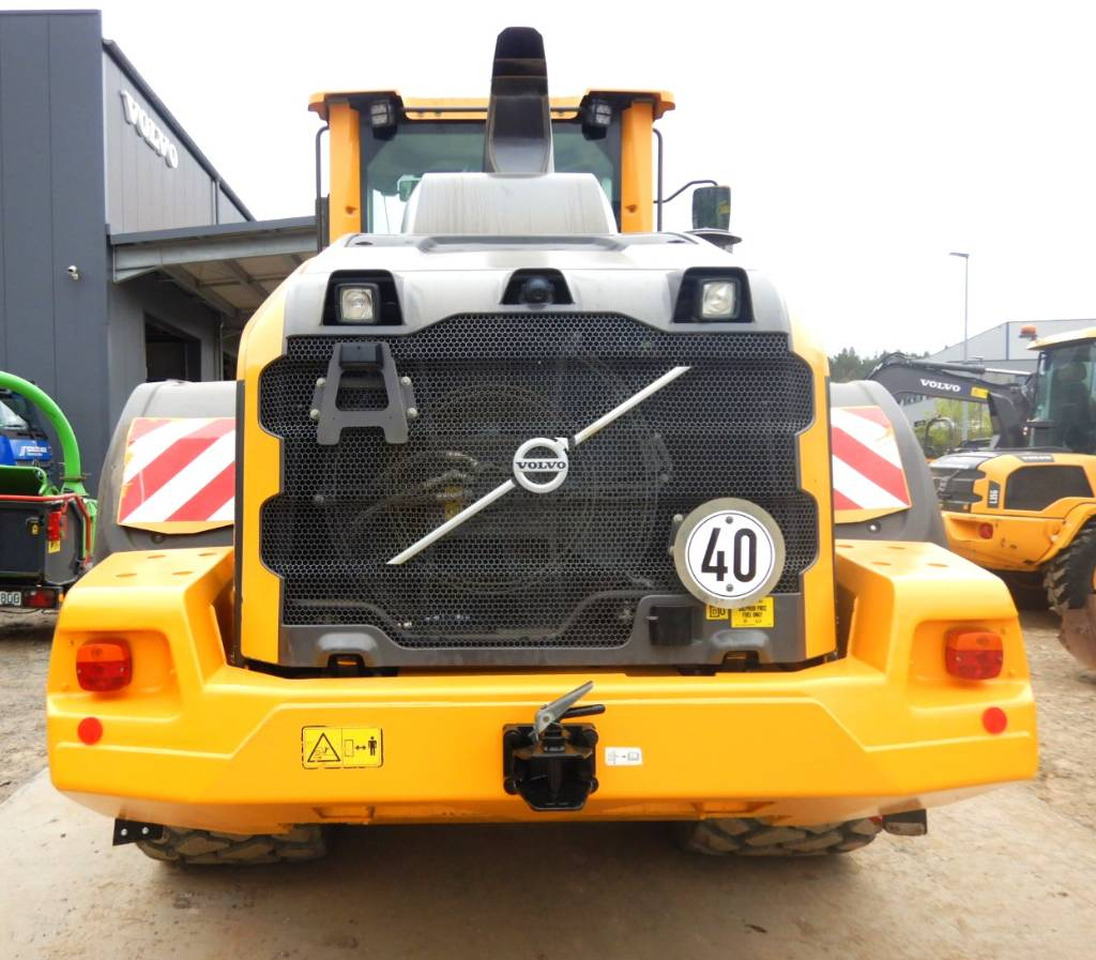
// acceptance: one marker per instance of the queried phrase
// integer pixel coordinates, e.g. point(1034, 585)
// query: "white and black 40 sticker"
point(728, 552)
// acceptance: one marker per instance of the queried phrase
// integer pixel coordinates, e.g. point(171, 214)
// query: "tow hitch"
point(552, 765)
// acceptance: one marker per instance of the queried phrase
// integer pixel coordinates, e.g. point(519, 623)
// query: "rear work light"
point(973, 654)
point(104, 665)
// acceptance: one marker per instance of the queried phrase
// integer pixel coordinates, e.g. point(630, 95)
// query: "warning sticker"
point(341, 748)
point(624, 756)
point(758, 614)
point(717, 613)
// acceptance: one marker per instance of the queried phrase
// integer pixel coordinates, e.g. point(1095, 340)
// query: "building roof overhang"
point(232, 267)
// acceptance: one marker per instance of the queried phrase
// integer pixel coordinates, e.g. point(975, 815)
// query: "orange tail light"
point(973, 654)
point(104, 665)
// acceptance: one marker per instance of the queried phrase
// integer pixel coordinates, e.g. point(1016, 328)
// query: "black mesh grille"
point(552, 570)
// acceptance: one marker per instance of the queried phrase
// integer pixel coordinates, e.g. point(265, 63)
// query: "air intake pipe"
point(519, 122)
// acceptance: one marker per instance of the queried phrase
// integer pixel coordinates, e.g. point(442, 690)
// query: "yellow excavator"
point(532, 519)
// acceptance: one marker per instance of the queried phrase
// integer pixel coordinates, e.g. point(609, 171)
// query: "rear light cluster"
point(104, 665)
point(55, 526)
point(972, 654)
point(40, 598)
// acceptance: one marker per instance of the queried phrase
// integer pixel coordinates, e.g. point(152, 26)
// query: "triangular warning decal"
point(323, 752)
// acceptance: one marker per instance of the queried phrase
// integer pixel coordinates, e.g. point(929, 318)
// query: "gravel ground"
point(24, 657)
point(1065, 694)
point(1008, 875)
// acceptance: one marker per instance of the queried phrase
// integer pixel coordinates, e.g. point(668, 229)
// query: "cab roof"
point(1070, 336)
point(475, 108)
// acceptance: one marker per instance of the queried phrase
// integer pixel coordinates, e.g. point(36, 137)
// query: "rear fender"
point(1077, 518)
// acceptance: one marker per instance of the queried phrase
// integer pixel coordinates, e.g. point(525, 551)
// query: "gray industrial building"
point(1005, 346)
point(124, 256)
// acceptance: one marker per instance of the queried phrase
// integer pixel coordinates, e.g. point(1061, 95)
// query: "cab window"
point(392, 168)
point(1065, 397)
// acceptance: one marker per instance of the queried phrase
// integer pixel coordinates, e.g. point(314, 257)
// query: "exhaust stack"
point(519, 123)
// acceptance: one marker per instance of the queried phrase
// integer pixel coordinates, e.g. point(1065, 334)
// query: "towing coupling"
point(551, 765)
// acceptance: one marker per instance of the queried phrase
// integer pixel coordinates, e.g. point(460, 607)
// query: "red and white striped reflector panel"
point(179, 475)
point(868, 480)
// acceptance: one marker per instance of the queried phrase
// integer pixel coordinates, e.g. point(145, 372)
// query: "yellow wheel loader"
point(1026, 506)
point(524, 512)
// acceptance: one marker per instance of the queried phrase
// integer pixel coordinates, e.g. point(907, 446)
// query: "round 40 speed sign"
point(729, 552)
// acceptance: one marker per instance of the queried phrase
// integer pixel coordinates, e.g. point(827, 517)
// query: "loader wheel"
point(1069, 576)
point(754, 838)
point(178, 845)
point(1070, 589)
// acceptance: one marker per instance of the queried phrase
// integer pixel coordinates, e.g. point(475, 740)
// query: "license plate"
point(11, 598)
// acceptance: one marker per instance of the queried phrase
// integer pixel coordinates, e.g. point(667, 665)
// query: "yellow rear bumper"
point(1014, 544)
point(196, 742)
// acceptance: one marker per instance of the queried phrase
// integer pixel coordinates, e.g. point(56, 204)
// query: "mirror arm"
point(691, 183)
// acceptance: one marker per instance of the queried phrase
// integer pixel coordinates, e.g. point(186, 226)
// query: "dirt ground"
point(1005, 876)
point(24, 657)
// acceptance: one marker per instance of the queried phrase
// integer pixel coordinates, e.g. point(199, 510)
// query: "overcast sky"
point(863, 141)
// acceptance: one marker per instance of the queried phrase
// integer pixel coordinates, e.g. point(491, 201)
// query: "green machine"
point(47, 518)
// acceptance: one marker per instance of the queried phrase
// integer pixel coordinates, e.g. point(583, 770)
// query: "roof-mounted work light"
point(382, 118)
point(597, 116)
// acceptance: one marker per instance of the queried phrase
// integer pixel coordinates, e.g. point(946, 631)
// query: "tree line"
point(848, 365)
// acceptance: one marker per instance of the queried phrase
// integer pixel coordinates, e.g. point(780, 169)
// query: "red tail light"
point(974, 654)
point(55, 525)
point(104, 665)
point(40, 598)
point(985, 531)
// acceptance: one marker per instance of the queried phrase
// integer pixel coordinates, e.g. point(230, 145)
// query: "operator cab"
point(382, 144)
point(1064, 414)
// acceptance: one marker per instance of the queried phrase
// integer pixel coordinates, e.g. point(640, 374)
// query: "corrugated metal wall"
point(144, 192)
point(53, 329)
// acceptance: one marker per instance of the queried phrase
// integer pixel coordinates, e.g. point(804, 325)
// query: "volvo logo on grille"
point(528, 466)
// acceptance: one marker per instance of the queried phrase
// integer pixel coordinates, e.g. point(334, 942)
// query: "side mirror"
point(712, 208)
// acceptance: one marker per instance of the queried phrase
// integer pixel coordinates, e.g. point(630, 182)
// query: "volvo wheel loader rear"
point(530, 515)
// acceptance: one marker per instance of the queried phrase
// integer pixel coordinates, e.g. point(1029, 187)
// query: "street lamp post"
point(966, 295)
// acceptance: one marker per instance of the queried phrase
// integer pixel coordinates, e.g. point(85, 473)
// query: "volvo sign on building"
point(148, 130)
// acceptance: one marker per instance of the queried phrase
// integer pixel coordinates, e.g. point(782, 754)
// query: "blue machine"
point(23, 442)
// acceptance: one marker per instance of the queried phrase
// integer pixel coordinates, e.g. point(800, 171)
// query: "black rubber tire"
point(178, 845)
point(755, 838)
point(1068, 577)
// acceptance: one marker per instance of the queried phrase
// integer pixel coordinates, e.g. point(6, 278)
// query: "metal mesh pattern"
point(532, 570)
